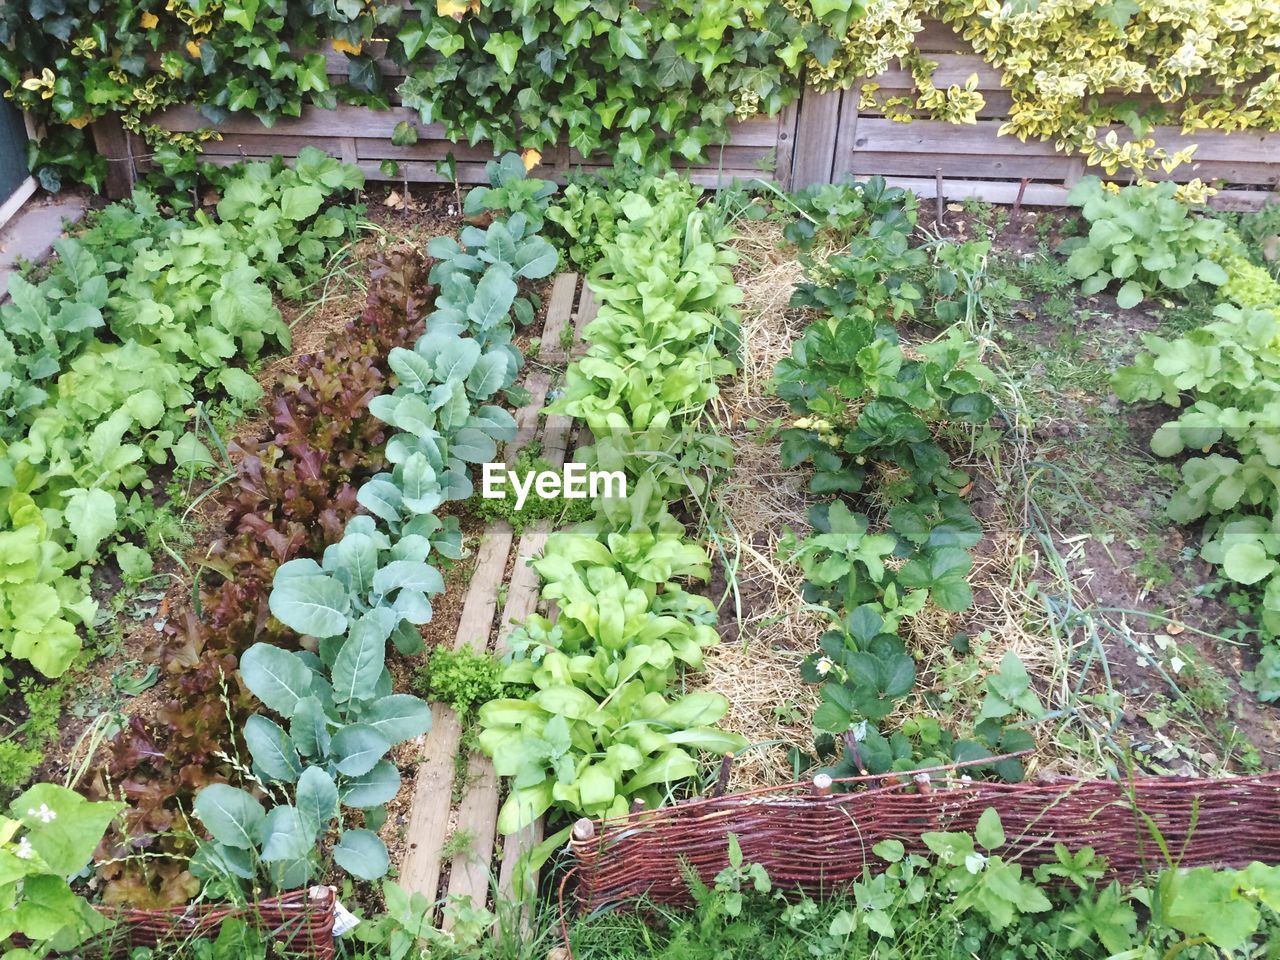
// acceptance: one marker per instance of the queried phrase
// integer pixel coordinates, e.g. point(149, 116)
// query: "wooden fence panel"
point(823, 137)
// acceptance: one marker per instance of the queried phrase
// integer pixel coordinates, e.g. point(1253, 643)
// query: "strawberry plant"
point(875, 417)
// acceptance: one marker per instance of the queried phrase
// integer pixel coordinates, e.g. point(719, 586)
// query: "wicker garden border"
point(810, 837)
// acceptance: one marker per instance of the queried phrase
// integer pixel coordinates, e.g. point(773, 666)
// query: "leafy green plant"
point(100, 364)
point(902, 401)
point(463, 678)
point(1144, 238)
point(590, 747)
point(51, 836)
point(597, 729)
point(374, 585)
point(341, 720)
point(836, 213)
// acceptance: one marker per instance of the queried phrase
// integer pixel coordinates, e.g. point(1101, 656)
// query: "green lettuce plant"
point(102, 361)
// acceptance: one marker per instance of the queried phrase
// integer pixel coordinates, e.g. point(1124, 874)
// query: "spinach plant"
point(1144, 238)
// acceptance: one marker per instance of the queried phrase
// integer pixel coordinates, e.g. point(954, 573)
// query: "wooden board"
point(427, 829)
point(559, 315)
point(468, 875)
point(432, 809)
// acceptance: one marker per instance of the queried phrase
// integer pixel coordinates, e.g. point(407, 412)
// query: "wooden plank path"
point(470, 871)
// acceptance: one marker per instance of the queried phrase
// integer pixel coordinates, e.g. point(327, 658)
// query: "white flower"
point(24, 851)
point(824, 666)
point(44, 814)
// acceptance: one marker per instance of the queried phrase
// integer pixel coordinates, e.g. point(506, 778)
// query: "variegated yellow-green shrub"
point(1093, 77)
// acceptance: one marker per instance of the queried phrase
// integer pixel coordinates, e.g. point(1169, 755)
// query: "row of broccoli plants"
point(102, 360)
point(338, 716)
point(1224, 374)
point(874, 416)
point(601, 726)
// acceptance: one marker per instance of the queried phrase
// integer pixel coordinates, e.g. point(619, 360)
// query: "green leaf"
point(271, 748)
point(286, 835)
point(357, 748)
point(989, 832)
point(362, 656)
point(66, 843)
point(1129, 295)
point(405, 134)
point(91, 518)
point(504, 47)
point(276, 677)
point(234, 818)
point(1084, 262)
point(1248, 562)
point(317, 799)
point(314, 605)
point(239, 385)
point(399, 717)
point(299, 203)
point(362, 854)
point(373, 788)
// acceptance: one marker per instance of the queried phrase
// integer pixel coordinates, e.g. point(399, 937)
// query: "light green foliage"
point(100, 364)
point(624, 630)
point(51, 836)
point(657, 344)
point(1144, 238)
point(1229, 368)
point(599, 728)
point(586, 215)
point(463, 678)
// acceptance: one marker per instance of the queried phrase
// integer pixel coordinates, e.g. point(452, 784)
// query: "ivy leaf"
point(405, 134)
point(504, 47)
point(413, 37)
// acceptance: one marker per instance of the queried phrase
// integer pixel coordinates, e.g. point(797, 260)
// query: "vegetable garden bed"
point(881, 507)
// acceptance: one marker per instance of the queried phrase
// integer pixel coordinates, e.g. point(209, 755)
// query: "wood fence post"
point(816, 133)
point(846, 143)
point(112, 141)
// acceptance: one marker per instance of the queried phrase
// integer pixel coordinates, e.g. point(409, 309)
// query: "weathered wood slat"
point(816, 128)
point(478, 811)
point(469, 869)
point(559, 315)
point(1052, 195)
point(427, 828)
point(588, 307)
point(429, 812)
point(959, 166)
point(345, 120)
point(786, 144)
